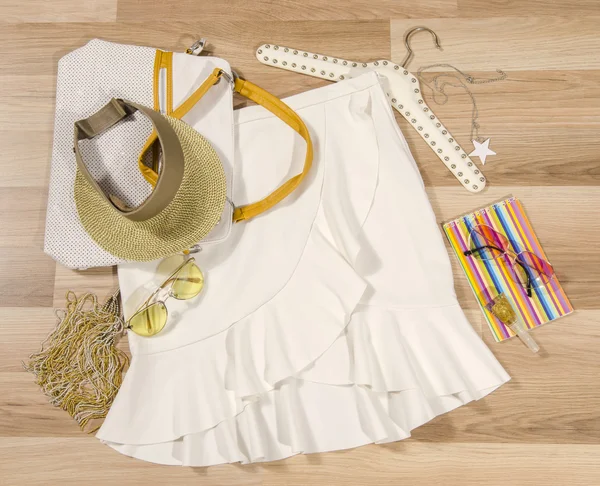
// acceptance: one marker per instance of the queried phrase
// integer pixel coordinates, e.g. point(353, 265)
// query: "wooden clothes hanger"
point(403, 90)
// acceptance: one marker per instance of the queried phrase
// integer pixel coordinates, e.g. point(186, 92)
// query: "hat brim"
point(194, 211)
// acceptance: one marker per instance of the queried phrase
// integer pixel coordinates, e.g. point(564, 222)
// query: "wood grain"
point(513, 44)
point(541, 428)
point(29, 103)
point(27, 278)
point(22, 217)
point(400, 463)
point(15, 11)
point(286, 10)
point(25, 163)
point(23, 330)
point(232, 39)
point(24, 410)
point(510, 8)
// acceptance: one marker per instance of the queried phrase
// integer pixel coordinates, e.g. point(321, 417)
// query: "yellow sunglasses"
point(186, 282)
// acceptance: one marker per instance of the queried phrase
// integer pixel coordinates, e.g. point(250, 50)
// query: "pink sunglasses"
point(528, 269)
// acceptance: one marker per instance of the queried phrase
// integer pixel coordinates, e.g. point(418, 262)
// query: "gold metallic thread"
point(79, 367)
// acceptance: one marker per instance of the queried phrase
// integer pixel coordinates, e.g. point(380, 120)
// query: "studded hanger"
point(403, 91)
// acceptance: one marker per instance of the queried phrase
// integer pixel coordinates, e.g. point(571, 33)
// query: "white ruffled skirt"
point(328, 323)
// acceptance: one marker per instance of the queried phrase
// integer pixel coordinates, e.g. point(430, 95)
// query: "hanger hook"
point(408, 35)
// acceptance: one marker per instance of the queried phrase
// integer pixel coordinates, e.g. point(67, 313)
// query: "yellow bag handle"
point(266, 100)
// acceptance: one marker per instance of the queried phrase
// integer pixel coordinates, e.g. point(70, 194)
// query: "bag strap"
point(266, 100)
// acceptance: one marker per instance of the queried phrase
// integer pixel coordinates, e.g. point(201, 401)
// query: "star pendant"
point(482, 150)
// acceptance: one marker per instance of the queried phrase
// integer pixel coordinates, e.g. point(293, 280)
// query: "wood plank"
point(101, 281)
point(26, 127)
point(29, 104)
point(404, 462)
point(511, 44)
point(15, 11)
point(27, 278)
point(284, 10)
point(24, 409)
point(23, 332)
point(517, 8)
point(25, 160)
point(23, 217)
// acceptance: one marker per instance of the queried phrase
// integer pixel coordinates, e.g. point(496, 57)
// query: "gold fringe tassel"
point(79, 366)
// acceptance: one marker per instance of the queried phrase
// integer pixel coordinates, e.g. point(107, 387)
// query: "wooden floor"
point(543, 428)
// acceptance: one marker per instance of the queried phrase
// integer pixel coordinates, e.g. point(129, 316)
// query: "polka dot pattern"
point(87, 79)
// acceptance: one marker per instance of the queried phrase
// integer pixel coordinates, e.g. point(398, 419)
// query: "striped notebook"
point(488, 278)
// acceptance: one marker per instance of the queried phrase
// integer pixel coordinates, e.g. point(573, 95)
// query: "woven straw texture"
point(193, 212)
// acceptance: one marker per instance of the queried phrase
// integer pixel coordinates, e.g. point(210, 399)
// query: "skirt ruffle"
point(380, 379)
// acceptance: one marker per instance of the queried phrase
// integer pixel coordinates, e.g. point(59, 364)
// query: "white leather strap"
point(404, 92)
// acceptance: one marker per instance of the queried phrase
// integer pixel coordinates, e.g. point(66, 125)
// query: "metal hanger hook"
point(409, 34)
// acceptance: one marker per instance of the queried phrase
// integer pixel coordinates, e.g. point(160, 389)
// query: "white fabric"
point(328, 323)
point(87, 79)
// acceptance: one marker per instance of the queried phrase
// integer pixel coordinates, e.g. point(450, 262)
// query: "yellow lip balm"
point(501, 307)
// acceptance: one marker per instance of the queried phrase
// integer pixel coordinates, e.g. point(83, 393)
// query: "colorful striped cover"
point(488, 278)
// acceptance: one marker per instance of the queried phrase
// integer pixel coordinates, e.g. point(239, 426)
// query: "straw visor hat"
point(185, 205)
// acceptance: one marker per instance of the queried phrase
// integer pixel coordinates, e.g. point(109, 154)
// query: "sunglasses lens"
point(150, 320)
point(167, 266)
point(539, 271)
point(188, 283)
point(486, 243)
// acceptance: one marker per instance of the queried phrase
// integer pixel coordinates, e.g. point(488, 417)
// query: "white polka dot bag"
point(88, 78)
